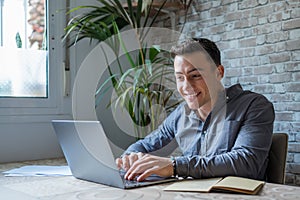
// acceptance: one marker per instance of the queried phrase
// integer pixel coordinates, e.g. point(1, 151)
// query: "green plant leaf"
point(139, 13)
point(153, 52)
point(149, 66)
point(124, 76)
point(105, 83)
point(99, 97)
point(140, 86)
point(137, 78)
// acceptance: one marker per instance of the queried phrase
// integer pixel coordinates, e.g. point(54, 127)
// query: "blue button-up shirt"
point(234, 140)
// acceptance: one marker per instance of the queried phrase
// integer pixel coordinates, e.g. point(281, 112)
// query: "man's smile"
point(192, 96)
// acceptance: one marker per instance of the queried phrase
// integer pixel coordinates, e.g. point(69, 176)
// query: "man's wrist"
point(174, 165)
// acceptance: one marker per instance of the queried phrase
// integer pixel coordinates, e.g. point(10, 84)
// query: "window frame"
point(19, 107)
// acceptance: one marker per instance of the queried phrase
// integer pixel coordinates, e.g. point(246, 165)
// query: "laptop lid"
point(89, 155)
point(87, 151)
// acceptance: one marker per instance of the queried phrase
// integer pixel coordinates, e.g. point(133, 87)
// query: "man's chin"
point(193, 106)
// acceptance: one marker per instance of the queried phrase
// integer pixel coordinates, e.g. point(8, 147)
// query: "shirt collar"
point(233, 92)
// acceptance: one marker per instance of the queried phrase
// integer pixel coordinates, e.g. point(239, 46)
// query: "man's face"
point(192, 75)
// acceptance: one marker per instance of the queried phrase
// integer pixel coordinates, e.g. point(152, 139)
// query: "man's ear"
point(220, 71)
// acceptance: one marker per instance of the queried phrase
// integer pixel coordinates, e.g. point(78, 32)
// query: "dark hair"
point(198, 44)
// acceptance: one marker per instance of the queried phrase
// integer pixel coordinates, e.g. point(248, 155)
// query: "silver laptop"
point(90, 157)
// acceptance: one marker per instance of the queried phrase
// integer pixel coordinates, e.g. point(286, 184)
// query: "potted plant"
point(140, 84)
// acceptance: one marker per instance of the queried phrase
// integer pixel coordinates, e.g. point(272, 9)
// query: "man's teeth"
point(192, 95)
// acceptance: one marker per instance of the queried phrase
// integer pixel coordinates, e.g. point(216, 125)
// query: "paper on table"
point(39, 170)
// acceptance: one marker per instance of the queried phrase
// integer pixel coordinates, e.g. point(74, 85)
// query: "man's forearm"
point(237, 163)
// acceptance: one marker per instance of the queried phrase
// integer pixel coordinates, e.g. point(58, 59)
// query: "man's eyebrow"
point(194, 69)
point(190, 71)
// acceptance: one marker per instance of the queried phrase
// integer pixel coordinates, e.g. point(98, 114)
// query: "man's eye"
point(179, 78)
point(196, 76)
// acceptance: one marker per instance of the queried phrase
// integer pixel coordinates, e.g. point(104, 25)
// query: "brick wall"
point(260, 44)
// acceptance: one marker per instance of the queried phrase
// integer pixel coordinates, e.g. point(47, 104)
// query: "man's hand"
point(127, 160)
point(143, 165)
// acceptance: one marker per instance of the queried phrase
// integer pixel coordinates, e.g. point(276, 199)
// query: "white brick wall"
point(260, 44)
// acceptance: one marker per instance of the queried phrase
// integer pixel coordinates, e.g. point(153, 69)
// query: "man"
point(220, 131)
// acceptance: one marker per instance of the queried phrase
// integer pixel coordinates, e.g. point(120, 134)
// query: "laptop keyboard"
point(131, 183)
point(128, 182)
point(149, 181)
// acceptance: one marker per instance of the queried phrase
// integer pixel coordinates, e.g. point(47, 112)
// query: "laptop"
point(89, 155)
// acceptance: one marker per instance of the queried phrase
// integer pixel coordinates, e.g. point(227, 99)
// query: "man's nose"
point(186, 84)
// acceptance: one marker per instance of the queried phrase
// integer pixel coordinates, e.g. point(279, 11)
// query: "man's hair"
point(196, 45)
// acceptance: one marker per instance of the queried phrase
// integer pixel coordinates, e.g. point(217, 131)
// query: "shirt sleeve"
point(247, 157)
point(160, 142)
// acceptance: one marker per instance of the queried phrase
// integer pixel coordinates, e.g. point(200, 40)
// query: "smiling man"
point(220, 131)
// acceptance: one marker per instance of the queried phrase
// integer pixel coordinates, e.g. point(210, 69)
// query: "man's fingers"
point(119, 163)
point(138, 168)
point(128, 160)
point(126, 164)
point(132, 158)
point(148, 165)
point(147, 173)
point(140, 155)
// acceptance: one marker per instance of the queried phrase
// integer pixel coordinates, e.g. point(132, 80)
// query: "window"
point(26, 112)
point(32, 57)
point(23, 49)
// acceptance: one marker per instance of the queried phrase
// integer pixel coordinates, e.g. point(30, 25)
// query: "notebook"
point(89, 155)
point(228, 184)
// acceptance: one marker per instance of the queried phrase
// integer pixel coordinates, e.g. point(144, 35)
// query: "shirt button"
point(227, 98)
point(204, 132)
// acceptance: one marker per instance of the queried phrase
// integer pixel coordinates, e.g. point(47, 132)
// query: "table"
point(68, 188)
